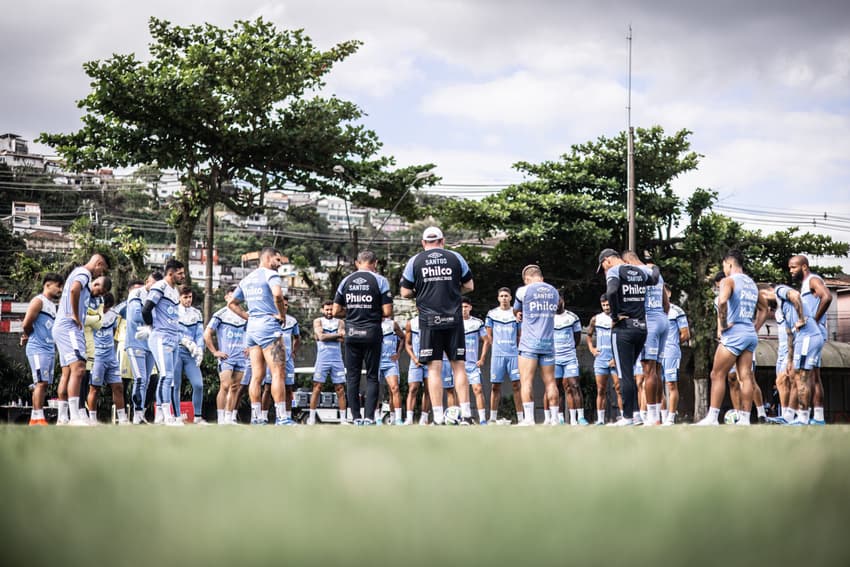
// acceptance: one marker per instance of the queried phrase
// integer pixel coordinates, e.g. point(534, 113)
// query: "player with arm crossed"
point(603, 359)
point(329, 333)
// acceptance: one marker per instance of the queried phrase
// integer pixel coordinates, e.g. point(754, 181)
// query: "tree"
point(574, 207)
point(228, 109)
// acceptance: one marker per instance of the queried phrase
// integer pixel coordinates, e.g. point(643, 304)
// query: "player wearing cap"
point(817, 299)
point(737, 304)
point(329, 333)
point(364, 299)
point(626, 294)
point(535, 304)
point(437, 277)
point(503, 332)
point(38, 337)
point(657, 306)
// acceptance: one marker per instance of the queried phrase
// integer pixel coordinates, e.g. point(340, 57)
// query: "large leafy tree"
point(571, 208)
point(232, 111)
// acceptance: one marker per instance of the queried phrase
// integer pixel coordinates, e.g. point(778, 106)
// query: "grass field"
point(425, 496)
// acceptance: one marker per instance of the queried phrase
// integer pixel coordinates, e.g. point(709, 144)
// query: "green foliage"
point(26, 274)
point(222, 105)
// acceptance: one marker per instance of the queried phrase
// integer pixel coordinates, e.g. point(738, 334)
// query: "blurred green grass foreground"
point(490, 496)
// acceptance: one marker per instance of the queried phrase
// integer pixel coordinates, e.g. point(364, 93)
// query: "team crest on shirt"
point(360, 281)
point(435, 255)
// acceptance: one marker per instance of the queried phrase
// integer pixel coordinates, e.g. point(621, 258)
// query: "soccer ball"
point(731, 417)
point(452, 415)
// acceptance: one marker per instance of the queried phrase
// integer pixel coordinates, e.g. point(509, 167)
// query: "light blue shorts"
point(262, 331)
point(807, 351)
point(473, 374)
point(388, 369)
point(416, 374)
point(333, 368)
point(502, 367)
point(105, 369)
point(656, 338)
point(42, 364)
point(781, 362)
point(567, 369)
point(543, 359)
point(70, 342)
point(234, 364)
point(671, 369)
point(601, 368)
point(447, 375)
point(739, 338)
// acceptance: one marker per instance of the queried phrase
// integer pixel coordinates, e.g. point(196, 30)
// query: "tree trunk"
point(184, 227)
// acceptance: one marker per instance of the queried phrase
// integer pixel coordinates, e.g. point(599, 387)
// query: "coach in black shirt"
point(363, 299)
point(436, 278)
point(626, 293)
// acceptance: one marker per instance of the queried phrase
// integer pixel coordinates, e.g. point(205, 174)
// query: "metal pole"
point(208, 282)
point(630, 164)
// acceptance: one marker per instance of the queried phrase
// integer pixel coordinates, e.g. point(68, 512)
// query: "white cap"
point(432, 234)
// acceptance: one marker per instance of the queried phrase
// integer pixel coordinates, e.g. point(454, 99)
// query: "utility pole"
point(630, 166)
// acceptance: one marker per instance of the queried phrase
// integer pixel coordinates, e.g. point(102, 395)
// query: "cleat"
point(817, 422)
point(62, 422)
point(561, 420)
point(255, 421)
point(671, 420)
point(158, 419)
point(525, 423)
point(79, 423)
point(582, 421)
point(366, 422)
point(285, 421)
point(123, 422)
point(503, 421)
point(465, 421)
point(38, 422)
point(311, 420)
point(763, 420)
point(482, 422)
point(201, 421)
point(399, 422)
point(623, 422)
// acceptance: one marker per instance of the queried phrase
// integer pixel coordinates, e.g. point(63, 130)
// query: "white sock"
point(760, 411)
point(423, 419)
point(93, 417)
point(312, 414)
point(713, 414)
point(279, 410)
point(600, 416)
point(580, 413)
point(465, 409)
point(122, 414)
point(74, 407)
point(228, 415)
point(553, 411)
point(664, 414)
point(255, 410)
point(494, 415)
point(520, 416)
point(818, 416)
point(286, 413)
point(64, 412)
point(788, 414)
point(803, 415)
point(644, 414)
point(397, 412)
point(438, 414)
point(561, 418)
point(166, 412)
point(37, 414)
point(573, 418)
point(220, 415)
point(528, 411)
point(743, 418)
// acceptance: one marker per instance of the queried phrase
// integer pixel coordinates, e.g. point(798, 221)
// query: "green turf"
point(423, 496)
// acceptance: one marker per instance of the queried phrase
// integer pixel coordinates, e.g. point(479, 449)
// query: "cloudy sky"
point(475, 85)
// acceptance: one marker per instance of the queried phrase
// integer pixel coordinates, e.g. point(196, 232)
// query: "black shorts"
point(434, 342)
